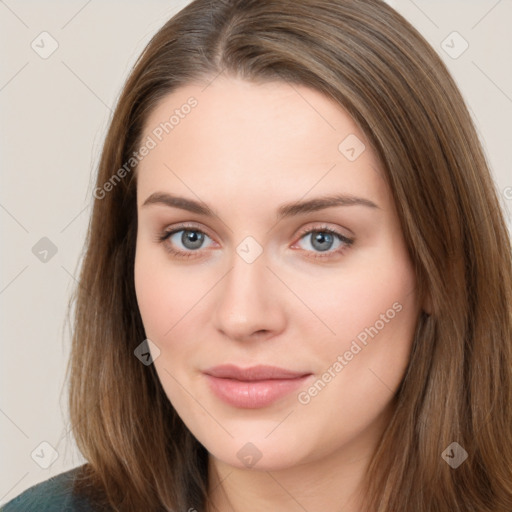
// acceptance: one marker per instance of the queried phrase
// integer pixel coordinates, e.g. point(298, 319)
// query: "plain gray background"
point(54, 111)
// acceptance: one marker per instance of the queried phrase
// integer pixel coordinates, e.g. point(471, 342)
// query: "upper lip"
point(260, 372)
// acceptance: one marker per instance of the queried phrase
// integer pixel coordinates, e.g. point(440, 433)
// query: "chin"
point(257, 455)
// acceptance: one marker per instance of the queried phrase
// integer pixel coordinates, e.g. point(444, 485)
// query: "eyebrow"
point(285, 210)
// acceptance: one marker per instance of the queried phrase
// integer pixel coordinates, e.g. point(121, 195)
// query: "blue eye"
point(191, 239)
point(187, 242)
point(322, 240)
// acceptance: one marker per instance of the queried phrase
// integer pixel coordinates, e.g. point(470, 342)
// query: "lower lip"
point(253, 394)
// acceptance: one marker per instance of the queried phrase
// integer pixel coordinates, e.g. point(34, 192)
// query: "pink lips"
point(254, 387)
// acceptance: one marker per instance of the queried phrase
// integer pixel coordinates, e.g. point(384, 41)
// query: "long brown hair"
point(458, 385)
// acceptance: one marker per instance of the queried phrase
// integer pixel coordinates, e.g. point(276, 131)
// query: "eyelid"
point(323, 227)
point(183, 226)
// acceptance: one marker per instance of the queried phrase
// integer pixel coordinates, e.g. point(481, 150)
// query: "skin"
point(244, 150)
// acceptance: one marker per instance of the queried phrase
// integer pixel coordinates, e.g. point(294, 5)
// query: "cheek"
point(369, 316)
point(165, 293)
point(161, 295)
point(153, 294)
point(373, 315)
point(348, 303)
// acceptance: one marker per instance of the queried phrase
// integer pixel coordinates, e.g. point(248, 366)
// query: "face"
point(267, 235)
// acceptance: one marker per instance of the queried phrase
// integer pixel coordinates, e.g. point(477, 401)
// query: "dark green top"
point(58, 494)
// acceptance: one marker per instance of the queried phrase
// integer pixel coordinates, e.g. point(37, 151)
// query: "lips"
point(260, 372)
point(254, 387)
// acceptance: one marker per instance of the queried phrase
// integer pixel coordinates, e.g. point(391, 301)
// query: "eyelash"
point(165, 235)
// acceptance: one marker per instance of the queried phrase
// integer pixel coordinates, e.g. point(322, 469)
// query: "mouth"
point(254, 387)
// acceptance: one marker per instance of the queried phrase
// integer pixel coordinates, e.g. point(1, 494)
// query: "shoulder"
point(58, 493)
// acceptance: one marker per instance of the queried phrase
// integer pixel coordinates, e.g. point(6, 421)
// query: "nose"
point(250, 302)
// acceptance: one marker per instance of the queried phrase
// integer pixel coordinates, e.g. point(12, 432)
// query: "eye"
point(324, 242)
point(187, 241)
point(184, 241)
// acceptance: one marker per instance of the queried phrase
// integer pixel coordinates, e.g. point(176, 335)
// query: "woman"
point(296, 293)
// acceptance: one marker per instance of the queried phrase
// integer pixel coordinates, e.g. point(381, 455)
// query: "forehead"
point(273, 137)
